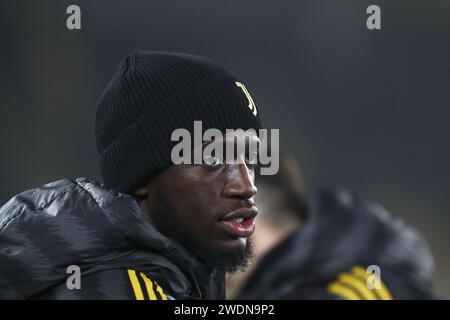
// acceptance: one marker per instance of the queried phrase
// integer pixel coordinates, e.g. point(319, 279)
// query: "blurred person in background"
point(320, 246)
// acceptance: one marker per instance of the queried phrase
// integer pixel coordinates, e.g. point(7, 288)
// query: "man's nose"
point(240, 182)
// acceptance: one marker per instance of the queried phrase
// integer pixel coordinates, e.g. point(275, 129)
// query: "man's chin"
point(230, 257)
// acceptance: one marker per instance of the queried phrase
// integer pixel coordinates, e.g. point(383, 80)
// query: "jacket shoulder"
point(116, 284)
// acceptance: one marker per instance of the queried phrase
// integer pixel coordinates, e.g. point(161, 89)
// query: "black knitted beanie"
point(151, 95)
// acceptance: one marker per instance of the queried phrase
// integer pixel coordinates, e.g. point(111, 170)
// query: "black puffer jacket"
point(327, 258)
point(45, 230)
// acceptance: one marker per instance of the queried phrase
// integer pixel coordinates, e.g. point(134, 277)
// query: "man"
point(328, 246)
point(154, 230)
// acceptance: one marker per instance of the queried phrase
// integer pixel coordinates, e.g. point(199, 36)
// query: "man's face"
point(207, 208)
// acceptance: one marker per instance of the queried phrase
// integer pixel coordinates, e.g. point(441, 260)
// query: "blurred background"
point(365, 110)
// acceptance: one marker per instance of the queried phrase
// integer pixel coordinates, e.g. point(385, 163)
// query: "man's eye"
point(251, 159)
point(213, 161)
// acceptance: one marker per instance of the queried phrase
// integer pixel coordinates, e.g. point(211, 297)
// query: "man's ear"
point(141, 195)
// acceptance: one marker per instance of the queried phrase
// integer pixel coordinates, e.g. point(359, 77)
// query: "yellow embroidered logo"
point(251, 104)
point(153, 290)
point(354, 285)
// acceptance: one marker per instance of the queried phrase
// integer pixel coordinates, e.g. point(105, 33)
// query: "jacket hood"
point(78, 222)
point(342, 231)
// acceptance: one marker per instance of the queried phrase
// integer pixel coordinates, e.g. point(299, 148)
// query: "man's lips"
point(240, 223)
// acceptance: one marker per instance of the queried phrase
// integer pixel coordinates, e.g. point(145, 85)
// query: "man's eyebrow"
point(253, 139)
point(250, 139)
